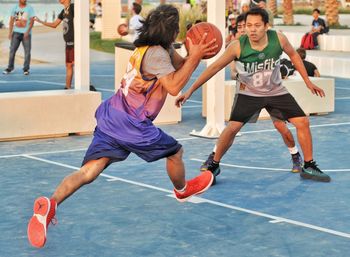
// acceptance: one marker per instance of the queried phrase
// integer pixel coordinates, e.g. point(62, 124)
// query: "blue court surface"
point(257, 208)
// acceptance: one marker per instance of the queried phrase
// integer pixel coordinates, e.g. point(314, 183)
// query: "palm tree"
point(316, 3)
point(288, 18)
point(272, 6)
point(332, 12)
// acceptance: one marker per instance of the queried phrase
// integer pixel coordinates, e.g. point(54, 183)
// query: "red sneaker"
point(44, 212)
point(195, 186)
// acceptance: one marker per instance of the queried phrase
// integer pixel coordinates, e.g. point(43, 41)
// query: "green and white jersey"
point(259, 71)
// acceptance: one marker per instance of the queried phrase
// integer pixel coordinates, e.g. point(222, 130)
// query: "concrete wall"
point(47, 113)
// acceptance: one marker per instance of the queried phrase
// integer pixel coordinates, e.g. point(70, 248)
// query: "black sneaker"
point(206, 163)
point(7, 71)
point(92, 88)
point(314, 173)
point(26, 72)
point(212, 167)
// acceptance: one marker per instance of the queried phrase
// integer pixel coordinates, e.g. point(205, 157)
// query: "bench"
point(311, 104)
point(40, 114)
point(337, 66)
point(327, 42)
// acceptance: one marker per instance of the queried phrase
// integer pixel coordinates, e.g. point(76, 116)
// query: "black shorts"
point(247, 108)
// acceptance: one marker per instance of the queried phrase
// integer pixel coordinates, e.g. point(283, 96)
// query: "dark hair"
point(302, 53)
point(137, 8)
point(240, 18)
point(258, 12)
point(188, 26)
point(316, 10)
point(159, 28)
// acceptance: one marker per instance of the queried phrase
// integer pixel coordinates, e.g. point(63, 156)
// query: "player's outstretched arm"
point(231, 52)
point(175, 81)
point(299, 65)
point(48, 24)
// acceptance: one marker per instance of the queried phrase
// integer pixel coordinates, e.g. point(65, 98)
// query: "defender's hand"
point(181, 100)
point(316, 90)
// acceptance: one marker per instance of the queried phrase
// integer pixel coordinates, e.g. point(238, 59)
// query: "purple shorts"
point(103, 145)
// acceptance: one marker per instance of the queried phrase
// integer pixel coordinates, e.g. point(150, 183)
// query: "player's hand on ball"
point(202, 49)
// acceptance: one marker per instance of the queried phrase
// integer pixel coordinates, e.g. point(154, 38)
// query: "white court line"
point(194, 101)
point(311, 126)
point(232, 207)
point(342, 98)
point(51, 83)
point(187, 138)
point(193, 138)
point(34, 81)
point(73, 150)
point(105, 89)
point(343, 88)
point(191, 106)
point(243, 167)
point(40, 153)
point(275, 221)
point(261, 168)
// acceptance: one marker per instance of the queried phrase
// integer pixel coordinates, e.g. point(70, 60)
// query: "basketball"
point(196, 32)
point(123, 29)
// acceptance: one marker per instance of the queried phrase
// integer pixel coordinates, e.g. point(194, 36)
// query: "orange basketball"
point(123, 29)
point(196, 32)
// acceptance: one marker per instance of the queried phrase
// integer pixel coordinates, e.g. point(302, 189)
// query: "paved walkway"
point(49, 48)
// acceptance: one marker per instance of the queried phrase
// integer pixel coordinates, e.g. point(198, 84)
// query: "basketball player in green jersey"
point(257, 55)
point(280, 125)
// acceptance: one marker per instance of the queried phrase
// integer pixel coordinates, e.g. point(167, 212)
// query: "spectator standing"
point(67, 16)
point(98, 9)
point(20, 31)
point(231, 28)
point(135, 22)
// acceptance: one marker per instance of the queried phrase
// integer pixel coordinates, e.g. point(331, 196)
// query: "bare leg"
point(304, 135)
point(88, 173)
point(176, 169)
point(287, 136)
point(69, 74)
point(226, 139)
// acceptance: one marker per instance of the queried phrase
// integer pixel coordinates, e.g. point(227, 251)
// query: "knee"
point(233, 127)
point(302, 123)
point(281, 126)
point(69, 66)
